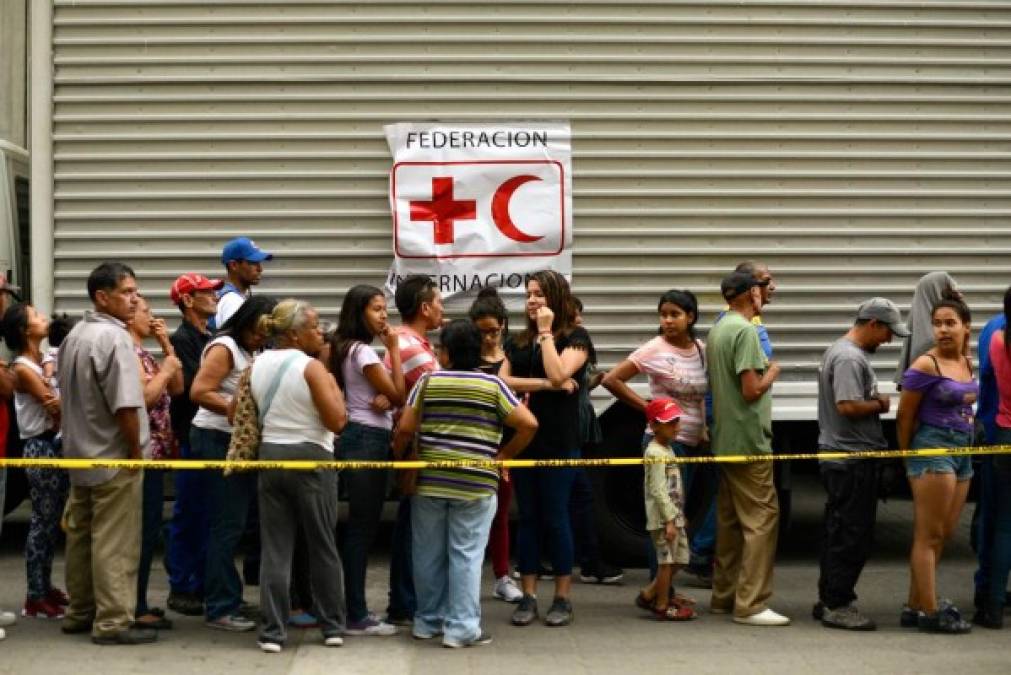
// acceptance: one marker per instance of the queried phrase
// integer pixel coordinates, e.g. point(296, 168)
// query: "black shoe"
point(943, 622)
point(909, 618)
point(74, 627)
point(601, 573)
point(525, 612)
point(185, 604)
point(989, 617)
point(818, 611)
point(131, 636)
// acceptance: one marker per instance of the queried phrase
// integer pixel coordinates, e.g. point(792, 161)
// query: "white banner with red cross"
point(478, 205)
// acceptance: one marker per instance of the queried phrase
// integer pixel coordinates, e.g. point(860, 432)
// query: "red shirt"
point(416, 355)
point(1002, 373)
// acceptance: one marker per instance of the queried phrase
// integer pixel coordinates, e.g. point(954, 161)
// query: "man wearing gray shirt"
point(849, 418)
point(104, 417)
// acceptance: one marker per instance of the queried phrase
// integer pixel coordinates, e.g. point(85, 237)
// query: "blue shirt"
point(986, 410)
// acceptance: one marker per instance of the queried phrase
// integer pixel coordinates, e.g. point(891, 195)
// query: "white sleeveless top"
point(32, 417)
point(205, 419)
point(292, 416)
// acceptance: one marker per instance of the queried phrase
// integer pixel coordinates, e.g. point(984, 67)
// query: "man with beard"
point(849, 418)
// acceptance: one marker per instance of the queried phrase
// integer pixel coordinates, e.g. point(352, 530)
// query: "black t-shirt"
point(559, 435)
point(189, 343)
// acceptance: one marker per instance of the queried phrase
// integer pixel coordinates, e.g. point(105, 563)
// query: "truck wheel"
point(618, 508)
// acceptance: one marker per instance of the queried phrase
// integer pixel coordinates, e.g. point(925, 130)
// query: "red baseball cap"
point(662, 410)
point(188, 284)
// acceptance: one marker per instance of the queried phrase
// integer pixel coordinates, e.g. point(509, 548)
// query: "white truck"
point(852, 146)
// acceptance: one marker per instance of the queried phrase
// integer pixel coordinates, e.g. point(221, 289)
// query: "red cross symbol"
point(444, 210)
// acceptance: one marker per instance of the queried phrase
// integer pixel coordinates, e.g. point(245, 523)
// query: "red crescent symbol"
point(500, 209)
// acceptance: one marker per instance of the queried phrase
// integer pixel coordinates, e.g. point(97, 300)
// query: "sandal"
point(683, 600)
point(642, 603)
point(674, 613)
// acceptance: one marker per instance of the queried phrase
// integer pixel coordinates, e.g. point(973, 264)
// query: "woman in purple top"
point(935, 411)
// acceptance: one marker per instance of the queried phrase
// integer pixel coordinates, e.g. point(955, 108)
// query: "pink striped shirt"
point(416, 355)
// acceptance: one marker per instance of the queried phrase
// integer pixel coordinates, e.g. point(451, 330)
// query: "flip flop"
point(674, 613)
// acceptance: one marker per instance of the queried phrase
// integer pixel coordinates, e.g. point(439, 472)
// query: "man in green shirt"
point(747, 510)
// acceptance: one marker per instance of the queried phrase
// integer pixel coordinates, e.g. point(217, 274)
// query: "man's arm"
point(129, 426)
point(753, 385)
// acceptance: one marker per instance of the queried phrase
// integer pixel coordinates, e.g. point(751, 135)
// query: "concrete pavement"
point(608, 636)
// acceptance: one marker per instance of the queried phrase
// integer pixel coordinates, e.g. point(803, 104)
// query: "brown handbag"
point(407, 479)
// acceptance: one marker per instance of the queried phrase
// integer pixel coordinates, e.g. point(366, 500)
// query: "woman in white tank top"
point(301, 408)
point(221, 365)
point(38, 415)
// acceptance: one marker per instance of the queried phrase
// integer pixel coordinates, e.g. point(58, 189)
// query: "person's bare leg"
point(661, 587)
point(563, 586)
point(528, 582)
point(933, 494)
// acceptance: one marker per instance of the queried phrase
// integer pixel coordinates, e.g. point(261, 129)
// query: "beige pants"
point(103, 549)
point(747, 524)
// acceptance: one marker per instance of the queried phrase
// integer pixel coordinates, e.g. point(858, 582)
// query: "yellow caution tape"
point(353, 465)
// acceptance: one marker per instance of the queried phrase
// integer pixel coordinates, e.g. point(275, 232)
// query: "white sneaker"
point(3, 634)
point(7, 618)
point(506, 589)
point(333, 641)
point(764, 618)
point(269, 647)
point(370, 626)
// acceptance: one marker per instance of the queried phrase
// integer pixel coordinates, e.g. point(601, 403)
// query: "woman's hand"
point(380, 403)
point(545, 317)
point(389, 338)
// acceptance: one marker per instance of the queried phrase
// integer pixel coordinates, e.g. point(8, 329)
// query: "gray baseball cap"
point(884, 311)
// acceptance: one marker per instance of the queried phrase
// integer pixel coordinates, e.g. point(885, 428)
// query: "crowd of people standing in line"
point(482, 393)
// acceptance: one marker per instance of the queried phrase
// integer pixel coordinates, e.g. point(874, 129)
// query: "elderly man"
point(104, 418)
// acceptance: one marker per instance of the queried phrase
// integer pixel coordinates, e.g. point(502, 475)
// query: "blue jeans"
point(450, 536)
point(543, 496)
point(927, 437)
point(152, 501)
point(402, 597)
point(229, 501)
point(188, 531)
point(366, 492)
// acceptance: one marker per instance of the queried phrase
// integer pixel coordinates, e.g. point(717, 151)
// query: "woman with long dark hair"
point(38, 414)
point(546, 360)
point(935, 411)
point(488, 314)
point(371, 391)
point(214, 386)
point(991, 614)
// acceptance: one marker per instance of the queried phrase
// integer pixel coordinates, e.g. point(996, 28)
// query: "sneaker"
point(506, 589)
point(268, 647)
point(57, 597)
point(847, 617)
point(479, 641)
point(186, 604)
point(766, 617)
point(399, 619)
point(942, 621)
point(418, 635)
point(370, 626)
point(303, 619)
point(42, 609)
point(601, 573)
point(559, 614)
point(130, 636)
point(231, 622)
point(3, 634)
point(333, 641)
point(7, 618)
point(526, 611)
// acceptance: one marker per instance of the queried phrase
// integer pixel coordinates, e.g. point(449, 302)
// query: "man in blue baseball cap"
point(243, 260)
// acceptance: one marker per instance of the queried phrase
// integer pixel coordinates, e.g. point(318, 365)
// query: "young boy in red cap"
point(665, 519)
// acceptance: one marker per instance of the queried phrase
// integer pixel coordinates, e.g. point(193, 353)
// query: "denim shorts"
point(928, 436)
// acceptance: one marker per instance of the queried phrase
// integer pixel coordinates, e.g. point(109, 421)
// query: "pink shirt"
point(679, 374)
point(1002, 373)
point(416, 356)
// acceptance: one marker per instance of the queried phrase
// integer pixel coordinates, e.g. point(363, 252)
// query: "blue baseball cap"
point(243, 248)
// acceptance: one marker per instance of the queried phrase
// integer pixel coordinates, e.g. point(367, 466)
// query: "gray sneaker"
point(526, 611)
point(847, 617)
point(479, 641)
point(560, 613)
